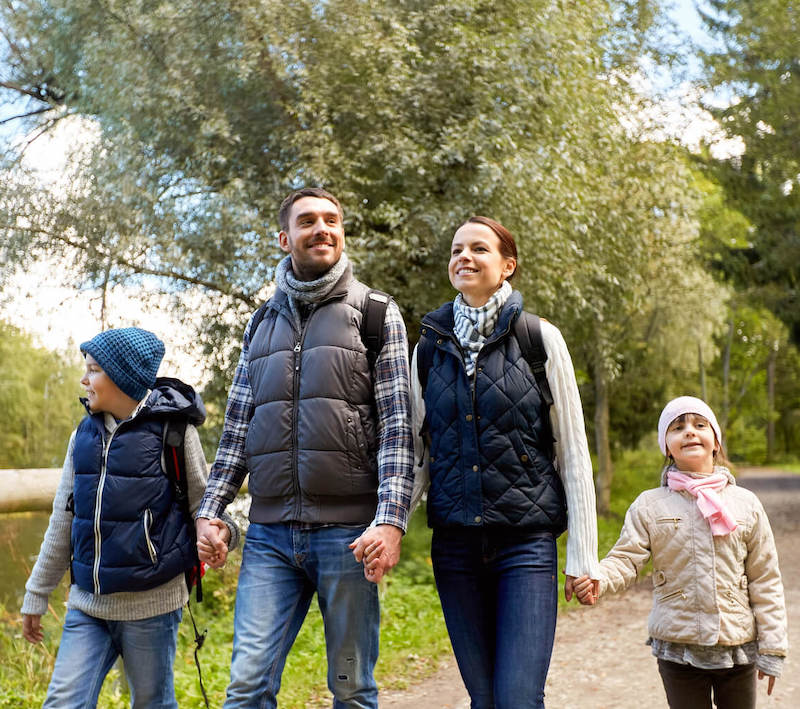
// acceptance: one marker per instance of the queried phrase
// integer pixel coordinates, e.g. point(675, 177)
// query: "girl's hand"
point(770, 682)
point(586, 589)
point(32, 629)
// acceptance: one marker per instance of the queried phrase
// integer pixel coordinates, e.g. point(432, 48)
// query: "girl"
point(118, 528)
point(503, 470)
point(718, 608)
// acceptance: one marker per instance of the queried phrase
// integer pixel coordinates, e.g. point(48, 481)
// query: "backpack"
point(527, 330)
point(175, 464)
point(372, 320)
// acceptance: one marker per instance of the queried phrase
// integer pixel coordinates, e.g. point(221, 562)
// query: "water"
point(21, 535)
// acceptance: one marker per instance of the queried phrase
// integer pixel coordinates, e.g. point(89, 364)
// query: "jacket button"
point(424, 330)
point(469, 417)
point(524, 458)
point(474, 468)
point(477, 519)
point(438, 342)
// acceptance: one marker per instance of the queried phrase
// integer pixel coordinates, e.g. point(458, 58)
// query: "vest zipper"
point(98, 538)
point(295, 406)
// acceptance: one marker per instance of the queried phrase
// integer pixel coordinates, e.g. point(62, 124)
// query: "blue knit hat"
point(129, 356)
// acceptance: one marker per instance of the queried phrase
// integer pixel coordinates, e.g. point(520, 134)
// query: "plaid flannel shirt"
point(395, 446)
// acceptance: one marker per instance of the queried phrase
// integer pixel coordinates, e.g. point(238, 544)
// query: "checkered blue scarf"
point(473, 325)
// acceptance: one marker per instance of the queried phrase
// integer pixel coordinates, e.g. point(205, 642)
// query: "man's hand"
point(213, 536)
point(378, 548)
point(586, 589)
point(32, 628)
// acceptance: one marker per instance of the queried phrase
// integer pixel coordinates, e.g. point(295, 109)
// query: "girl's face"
point(692, 444)
point(477, 268)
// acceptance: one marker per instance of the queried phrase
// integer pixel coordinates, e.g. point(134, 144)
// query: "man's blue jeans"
point(282, 566)
point(499, 596)
point(89, 647)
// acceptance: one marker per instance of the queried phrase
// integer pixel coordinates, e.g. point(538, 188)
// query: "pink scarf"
point(709, 503)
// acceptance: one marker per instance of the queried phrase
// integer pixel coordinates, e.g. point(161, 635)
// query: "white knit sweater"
point(571, 449)
point(53, 560)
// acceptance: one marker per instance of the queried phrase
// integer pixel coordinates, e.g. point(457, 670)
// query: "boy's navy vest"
point(128, 532)
point(491, 450)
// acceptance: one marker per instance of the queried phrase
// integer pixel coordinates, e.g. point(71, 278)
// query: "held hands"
point(213, 536)
point(586, 589)
point(378, 548)
point(32, 629)
point(770, 681)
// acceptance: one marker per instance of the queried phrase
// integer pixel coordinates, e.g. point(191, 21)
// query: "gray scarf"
point(306, 292)
point(473, 325)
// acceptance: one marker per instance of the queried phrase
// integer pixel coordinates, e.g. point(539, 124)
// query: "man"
point(326, 439)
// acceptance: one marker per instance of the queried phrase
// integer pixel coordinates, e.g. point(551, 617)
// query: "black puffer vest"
point(491, 448)
point(312, 442)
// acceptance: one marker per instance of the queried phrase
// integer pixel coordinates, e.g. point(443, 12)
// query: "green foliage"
point(38, 402)
point(755, 68)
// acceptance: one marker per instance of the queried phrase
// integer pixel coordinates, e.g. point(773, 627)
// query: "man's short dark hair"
point(286, 205)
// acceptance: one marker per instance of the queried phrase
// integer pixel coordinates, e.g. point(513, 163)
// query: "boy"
point(117, 526)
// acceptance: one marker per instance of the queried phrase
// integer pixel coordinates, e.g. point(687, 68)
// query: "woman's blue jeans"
point(282, 566)
point(89, 647)
point(499, 596)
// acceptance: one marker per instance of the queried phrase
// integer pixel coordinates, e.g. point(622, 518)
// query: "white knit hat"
point(678, 407)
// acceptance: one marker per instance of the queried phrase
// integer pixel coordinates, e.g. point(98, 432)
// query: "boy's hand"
point(213, 536)
point(32, 629)
point(586, 589)
point(770, 682)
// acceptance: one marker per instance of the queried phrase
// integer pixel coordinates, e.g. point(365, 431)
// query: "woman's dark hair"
point(508, 246)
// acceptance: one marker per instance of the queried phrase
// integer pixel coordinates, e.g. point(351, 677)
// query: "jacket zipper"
point(679, 592)
point(147, 521)
point(674, 520)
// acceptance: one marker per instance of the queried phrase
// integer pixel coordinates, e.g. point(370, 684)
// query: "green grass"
point(413, 635)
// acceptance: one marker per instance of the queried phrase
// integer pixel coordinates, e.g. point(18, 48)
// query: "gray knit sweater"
point(53, 560)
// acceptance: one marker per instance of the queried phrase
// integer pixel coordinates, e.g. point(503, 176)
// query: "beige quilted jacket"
point(706, 590)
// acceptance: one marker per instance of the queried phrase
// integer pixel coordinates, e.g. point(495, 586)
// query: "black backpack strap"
point(528, 331)
point(175, 467)
point(374, 315)
point(257, 318)
point(424, 357)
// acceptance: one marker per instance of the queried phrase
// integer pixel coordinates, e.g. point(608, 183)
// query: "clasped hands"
point(213, 536)
point(378, 549)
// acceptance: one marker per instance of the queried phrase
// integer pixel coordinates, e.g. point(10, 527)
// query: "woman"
point(501, 474)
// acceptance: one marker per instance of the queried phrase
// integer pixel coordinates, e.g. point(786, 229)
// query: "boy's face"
point(102, 393)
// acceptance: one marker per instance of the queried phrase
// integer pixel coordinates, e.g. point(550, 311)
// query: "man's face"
point(314, 238)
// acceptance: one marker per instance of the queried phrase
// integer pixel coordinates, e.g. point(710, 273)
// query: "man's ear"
point(283, 241)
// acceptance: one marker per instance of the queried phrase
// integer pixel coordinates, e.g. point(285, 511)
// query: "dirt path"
point(600, 659)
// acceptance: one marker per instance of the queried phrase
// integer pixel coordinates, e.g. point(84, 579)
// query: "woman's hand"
point(586, 589)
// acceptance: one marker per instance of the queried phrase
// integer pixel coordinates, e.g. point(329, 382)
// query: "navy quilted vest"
point(128, 534)
point(491, 452)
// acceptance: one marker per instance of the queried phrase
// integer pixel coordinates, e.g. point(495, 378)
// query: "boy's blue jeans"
point(89, 648)
point(282, 566)
point(499, 597)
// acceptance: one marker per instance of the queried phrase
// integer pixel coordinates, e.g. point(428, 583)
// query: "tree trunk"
point(702, 367)
point(771, 360)
point(726, 376)
point(604, 467)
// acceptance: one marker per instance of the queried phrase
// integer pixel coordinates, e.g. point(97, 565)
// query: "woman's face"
point(477, 268)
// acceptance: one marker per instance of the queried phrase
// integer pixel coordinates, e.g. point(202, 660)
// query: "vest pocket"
point(147, 522)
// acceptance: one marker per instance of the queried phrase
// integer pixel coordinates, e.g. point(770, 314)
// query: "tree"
point(38, 402)
point(416, 113)
point(757, 68)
